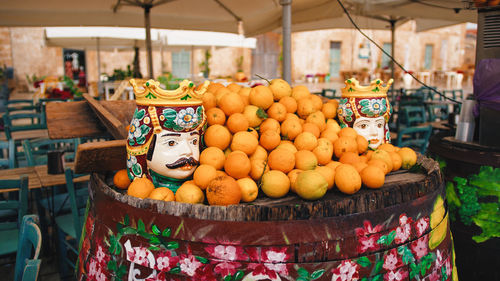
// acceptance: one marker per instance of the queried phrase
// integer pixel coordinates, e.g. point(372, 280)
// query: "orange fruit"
point(269, 139)
point(231, 103)
point(237, 123)
point(349, 158)
point(223, 191)
point(213, 87)
point(275, 184)
point(237, 165)
point(218, 136)
point(327, 173)
point(317, 102)
point(329, 110)
point(244, 141)
point(162, 193)
point(121, 179)
point(287, 145)
point(372, 177)
point(280, 89)
point(363, 158)
point(299, 92)
point(305, 160)
point(203, 175)
point(289, 103)
point(269, 124)
point(254, 115)
point(305, 140)
point(329, 134)
point(227, 151)
point(311, 185)
point(382, 165)
point(140, 188)
point(384, 156)
point(324, 151)
point(253, 132)
point(291, 128)
point(333, 164)
point(221, 174)
point(362, 144)
point(220, 93)
point(408, 157)
point(282, 160)
point(292, 175)
point(369, 154)
point(348, 132)
point(213, 156)
point(258, 168)
point(249, 189)
point(344, 144)
point(292, 116)
point(260, 153)
point(208, 100)
point(311, 128)
point(277, 111)
point(332, 124)
point(347, 179)
point(359, 166)
point(261, 96)
point(317, 118)
point(215, 116)
point(397, 161)
point(244, 93)
point(233, 87)
point(387, 147)
point(305, 107)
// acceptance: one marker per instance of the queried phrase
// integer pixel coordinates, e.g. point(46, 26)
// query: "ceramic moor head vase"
point(165, 133)
point(366, 109)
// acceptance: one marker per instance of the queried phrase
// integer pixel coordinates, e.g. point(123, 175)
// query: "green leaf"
point(414, 270)
point(261, 113)
point(128, 230)
point(154, 240)
point(172, 245)
point(364, 261)
point(382, 240)
point(303, 272)
point(145, 234)
point(451, 195)
point(407, 255)
point(378, 266)
point(154, 248)
point(121, 271)
point(118, 249)
point(166, 232)
point(131, 142)
point(302, 278)
point(175, 270)
point(140, 140)
point(145, 129)
point(140, 114)
point(155, 229)
point(377, 278)
point(364, 279)
point(239, 275)
point(317, 274)
point(227, 277)
point(140, 225)
point(112, 265)
point(202, 259)
point(119, 227)
point(390, 237)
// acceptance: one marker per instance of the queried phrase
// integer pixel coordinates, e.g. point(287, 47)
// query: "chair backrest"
point(29, 120)
point(411, 116)
point(28, 250)
point(415, 137)
point(20, 205)
point(78, 201)
point(7, 154)
point(36, 150)
point(21, 105)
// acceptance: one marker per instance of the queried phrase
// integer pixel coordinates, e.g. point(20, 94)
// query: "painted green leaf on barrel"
point(155, 229)
point(128, 230)
point(302, 278)
point(175, 270)
point(154, 240)
point(140, 225)
point(154, 248)
point(227, 277)
point(302, 272)
point(202, 259)
point(166, 232)
point(377, 278)
point(378, 266)
point(239, 275)
point(317, 274)
point(119, 227)
point(112, 265)
point(121, 271)
point(407, 255)
point(364, 261)
point(172, 245)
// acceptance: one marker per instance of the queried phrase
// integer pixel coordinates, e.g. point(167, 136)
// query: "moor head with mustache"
point(174, 154)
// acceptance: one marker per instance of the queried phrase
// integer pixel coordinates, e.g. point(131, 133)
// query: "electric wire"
point(392, 59)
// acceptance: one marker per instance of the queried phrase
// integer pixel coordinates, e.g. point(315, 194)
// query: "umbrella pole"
point(98, 42)
point(393, 47)
point(287, 40)
point(147, 21)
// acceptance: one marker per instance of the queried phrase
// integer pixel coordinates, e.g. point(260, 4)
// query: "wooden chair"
point(13, 212)
point(7, 154)
point(36, 150)
point(415, 137)
point(28, 250)
point(69, 226)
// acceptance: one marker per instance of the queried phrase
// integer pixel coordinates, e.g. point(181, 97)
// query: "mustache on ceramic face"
point(182, 162)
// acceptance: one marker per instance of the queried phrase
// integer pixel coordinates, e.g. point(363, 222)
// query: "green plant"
point(239, 64)
point(473, 199)
point(34, 78)
point(204, 65)
point(70, 84)
point(167, 80)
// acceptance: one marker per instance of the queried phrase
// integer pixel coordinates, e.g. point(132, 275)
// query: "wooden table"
point(25, 135)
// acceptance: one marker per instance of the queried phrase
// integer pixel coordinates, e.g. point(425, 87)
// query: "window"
point(181, 64)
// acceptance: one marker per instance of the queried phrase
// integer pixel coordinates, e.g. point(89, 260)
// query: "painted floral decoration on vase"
point(165, 132)
point(366, 109)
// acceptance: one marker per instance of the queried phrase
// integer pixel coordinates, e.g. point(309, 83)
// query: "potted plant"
point(204, 65)
point(32, 80)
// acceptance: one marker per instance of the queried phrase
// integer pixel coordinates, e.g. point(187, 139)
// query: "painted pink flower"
point(160, 276)
point(447, 265)
point(419, 247)
point(205, 273)
point(101, 256)
point(403, 231)
point(226, 268)
point(421, 225)
point(368, 243)
point(439, 259)
point(367, 229)
point(92, 268)
point(346, 271)
point(100, 276)
point(138, 255)
point(226, 252)
point(434, 276)
point(392, 260)
point(262, 270)
point(396, 275)
point(272, 261)
point(189, 264)
point(165, 261)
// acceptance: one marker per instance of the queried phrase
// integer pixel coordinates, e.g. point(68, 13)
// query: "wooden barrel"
point(398, 232)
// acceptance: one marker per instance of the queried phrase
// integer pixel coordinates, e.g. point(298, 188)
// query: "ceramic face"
point(175, 155)
point(372, 129)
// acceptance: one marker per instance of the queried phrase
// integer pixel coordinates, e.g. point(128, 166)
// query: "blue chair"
point(36, 150)
point(410, 116)
point(415, 137)
point(7, 154)
point(28, 250)
point(329, 93)
point(11, 214)
point(69, 226)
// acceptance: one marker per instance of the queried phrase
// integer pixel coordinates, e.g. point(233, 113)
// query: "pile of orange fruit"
point(277, 139)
